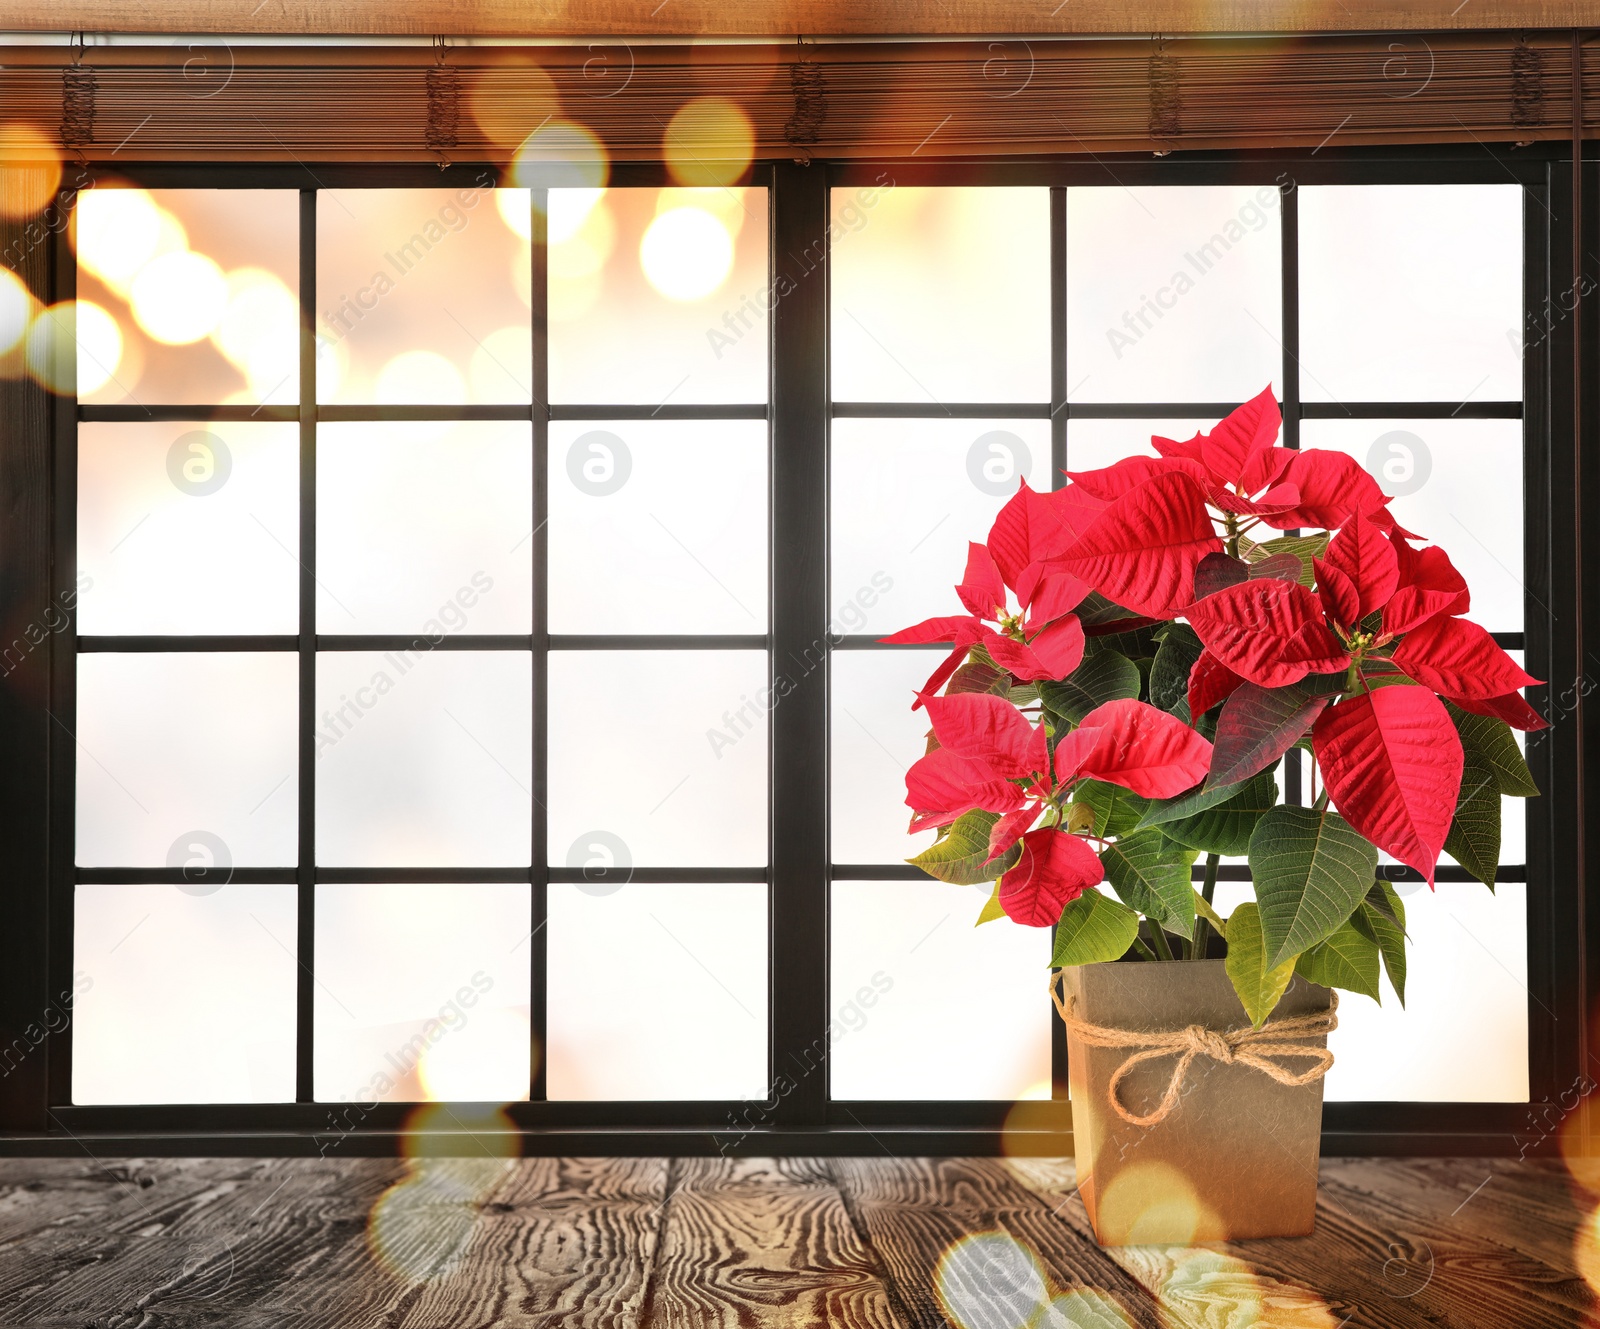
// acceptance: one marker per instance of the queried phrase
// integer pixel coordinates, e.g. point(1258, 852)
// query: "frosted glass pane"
point(1174, 293)
point(423, 295)
point(692, 1025)
point(963, 1011)
point(1411, 293)
point(188, 528)
point(1457, 483)
point(940, 295)
point(185, 994)
point(664, 752)
point(1463, 1033)
point(659, 295)
point(1092, 444)
point(875, 736)
point(424, 758)
point(907, 496)
point(180, 750)
point(422, 993)
point(658, 526)
point(194, 294)
point(425, 527)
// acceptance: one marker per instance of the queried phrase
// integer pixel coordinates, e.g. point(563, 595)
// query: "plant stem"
point(1196, 949)
point(1143, 950)
point(1322, 800)
point(1162, 945)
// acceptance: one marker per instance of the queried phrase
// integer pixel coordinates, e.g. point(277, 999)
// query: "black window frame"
point(39, 873)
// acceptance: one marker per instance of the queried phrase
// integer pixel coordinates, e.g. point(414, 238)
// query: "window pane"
point(187, 758)
point(658, 295)
point(185, 994)
point(1457, 483)
point(907, 497)
point(423, 296)
point(194, 294)
point(875, 738)
point(424, 758)
point(1463, 1032)
point(940, 295)
point(660, 755)
point(188, 527)
point(696, 1029)
point(1411, 293)
point(1173, 294)
point(1092, 444)
point(963, 1012)
point(658, 526)
point(425, 527)
point(422, 993)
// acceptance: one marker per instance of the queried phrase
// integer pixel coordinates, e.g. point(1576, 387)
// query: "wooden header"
point(784, 18)
point(214, 100)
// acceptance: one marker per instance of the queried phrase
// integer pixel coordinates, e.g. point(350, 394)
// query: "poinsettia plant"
point(1143, 646)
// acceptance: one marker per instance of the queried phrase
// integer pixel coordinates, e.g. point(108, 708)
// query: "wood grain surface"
point(747, 1244)
point(704, 18)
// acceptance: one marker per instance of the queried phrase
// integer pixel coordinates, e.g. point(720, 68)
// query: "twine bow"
point(1260, 1049)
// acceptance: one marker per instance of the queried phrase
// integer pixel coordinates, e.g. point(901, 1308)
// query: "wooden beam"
point(780, 18)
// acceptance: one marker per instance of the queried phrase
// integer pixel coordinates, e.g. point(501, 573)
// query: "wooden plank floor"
point(747, 1244)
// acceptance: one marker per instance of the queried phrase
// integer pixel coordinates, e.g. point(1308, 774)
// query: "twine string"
point(1262, 1049)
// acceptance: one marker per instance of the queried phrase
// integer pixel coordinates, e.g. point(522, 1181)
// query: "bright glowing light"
point(561, 155)
point(1154, 1202)
point(510, 97)
point(32, 164)
point(569, 209)
point(515, 210)
point(570, 299)
point(117, 232)
point(73, 346)
point(724, 203)
point(500, 368)
point(420, 378)
point(259, 332)
point(991, 1281)
point(420, 1227)
point(179, 298)
point(16, 307)
point(586, 249)
point(709, 142)
point(471, 1062)
point(99, 347)
point(686, 254)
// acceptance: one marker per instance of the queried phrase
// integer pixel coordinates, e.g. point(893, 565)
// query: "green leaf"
point(1093, 929)
point(1169, 675)
point(1303, 547)
point(1372, 922)
point(1188, 805)
point(1226, 828)
point(975, 677)
point(1384, 898)
point(1105, 676)
point(1347, 960)
point(991, 908)
point(1311, 870)
point(1151, 874)
point(1259, 988)
point(960, 856)
point(1495, 746)
point(1474, 839)
point(1136, 644)
point(1116, 810)
point(1211, 916)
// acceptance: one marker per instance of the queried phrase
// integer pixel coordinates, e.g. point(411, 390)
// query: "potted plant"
point(1139, 651)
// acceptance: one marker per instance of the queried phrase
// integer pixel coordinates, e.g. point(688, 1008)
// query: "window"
point(477, 695)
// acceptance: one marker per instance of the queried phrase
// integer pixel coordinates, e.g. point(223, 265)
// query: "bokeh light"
point(16, 309)
point(1151, 1202)
point(178, 298)
point(510, 100)
point(727, 204)
point(561, 155)
point(454, 1069)
point(686, 253)
point(512, 204)
point(709, 141)
point(259, 332)
point(501, 368)
point(420, 378)
point(118, 231)
point(73, 346)
point(991, 1281)
point(30, 170)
